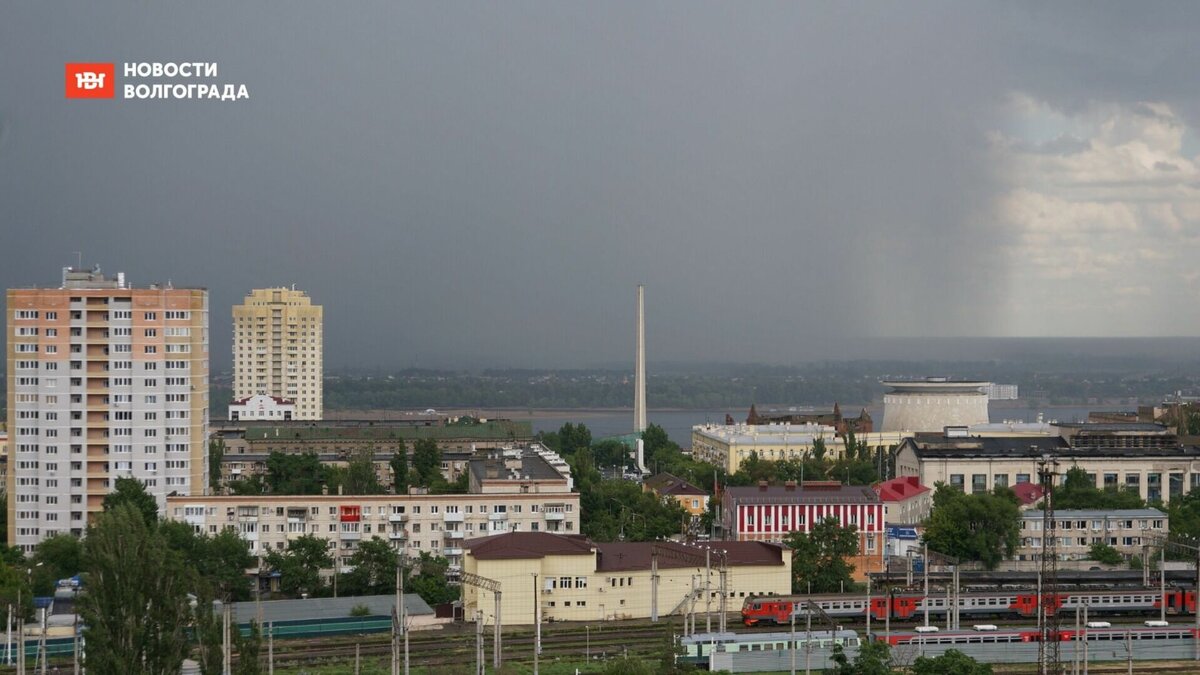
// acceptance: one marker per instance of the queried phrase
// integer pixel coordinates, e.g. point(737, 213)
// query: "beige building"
point(581, 580)
point(277, 342)
point(728, 445)
point(1079, 529)
point(104, 381)
point(979, 464)
point(536, 498)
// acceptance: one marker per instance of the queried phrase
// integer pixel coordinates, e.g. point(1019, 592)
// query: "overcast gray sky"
point(485, 183)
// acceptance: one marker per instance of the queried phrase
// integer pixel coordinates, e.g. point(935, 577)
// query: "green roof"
point(497, 430)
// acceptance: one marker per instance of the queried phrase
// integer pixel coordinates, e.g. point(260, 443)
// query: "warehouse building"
point(571, 578)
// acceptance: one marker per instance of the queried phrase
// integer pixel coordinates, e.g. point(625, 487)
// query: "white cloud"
point(1100, 211)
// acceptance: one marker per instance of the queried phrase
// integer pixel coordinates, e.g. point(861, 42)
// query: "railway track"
point(460, 649)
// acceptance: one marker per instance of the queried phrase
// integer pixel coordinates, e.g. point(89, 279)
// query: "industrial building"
point(104, 381)
point(571, 578)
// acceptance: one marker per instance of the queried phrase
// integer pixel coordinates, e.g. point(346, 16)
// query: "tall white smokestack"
point(639, 384)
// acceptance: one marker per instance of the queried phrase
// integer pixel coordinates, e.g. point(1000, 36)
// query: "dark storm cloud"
point(486, 183)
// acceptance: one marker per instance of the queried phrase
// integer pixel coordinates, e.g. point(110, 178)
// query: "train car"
point(696, 649)
point(1012, 635)
point(779, 610)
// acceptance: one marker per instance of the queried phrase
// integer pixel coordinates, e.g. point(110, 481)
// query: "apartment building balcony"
point(398, 534)
point(351, 535)
point(554, 515)
point(397, 518)
point(453, 517)
point(452, 550)
point(454, 534)
point(503, 515)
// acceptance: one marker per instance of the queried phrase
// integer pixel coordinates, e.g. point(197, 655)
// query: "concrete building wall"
point(728, 446)
point(610, 595)
point(1152, 477)
point(105, 381)
point(1078, 531)
point(436, 524)
point(277, 349)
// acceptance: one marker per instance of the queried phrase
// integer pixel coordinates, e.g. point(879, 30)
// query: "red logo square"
point(90, 80)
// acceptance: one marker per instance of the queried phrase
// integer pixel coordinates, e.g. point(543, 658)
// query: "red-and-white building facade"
point(771, 512)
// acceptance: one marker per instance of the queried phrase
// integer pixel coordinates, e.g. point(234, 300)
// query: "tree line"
point(305, 474)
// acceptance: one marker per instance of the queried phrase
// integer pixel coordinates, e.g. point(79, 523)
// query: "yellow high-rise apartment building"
point(277, 349)
point(104, 381)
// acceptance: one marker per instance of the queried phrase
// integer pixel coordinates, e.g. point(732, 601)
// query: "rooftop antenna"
point(78, 260)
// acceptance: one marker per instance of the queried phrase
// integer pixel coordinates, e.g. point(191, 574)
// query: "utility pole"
point(707, 590)
point(492, 585)
point(653, 583)
point(808, 638)
point(271, 648)
point(1162, 585)
point(1085, 640)
point(925, 568)
point(1049, 658)
point(478, 642)
point(537, 624)
point(792, 644)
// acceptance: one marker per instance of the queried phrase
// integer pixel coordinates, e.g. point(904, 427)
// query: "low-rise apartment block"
point(1079, 529)
point(536, 498)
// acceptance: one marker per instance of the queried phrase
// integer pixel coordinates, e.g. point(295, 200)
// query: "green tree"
point(982, 527)
point(1078, 491)
point(300, 564)
point(216, 452)
point(430, 580)
point(254, 485)
point(295, 474)
point(136, 609)
point(399, 464)
point(131, 491)
point(427, 461)
point(1103, 553)
point(249, 649)
point(953, 662)
point(360, 478)
point(820, 557)
point(207, 634)
point(374, 569)
point(872, 659)
point(1184, 513)
point(59, 557)
point(14, 584)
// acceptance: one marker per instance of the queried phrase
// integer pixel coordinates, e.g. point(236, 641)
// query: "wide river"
point(678, 423)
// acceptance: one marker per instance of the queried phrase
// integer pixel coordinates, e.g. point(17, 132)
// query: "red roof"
point(899, 489)
point(1028, 493)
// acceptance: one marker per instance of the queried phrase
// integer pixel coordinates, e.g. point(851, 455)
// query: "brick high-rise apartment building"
point(104, 381)
point(277, 346)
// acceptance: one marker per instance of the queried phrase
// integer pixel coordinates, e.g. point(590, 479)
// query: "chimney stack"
point(762, 485)
point(639, 375)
